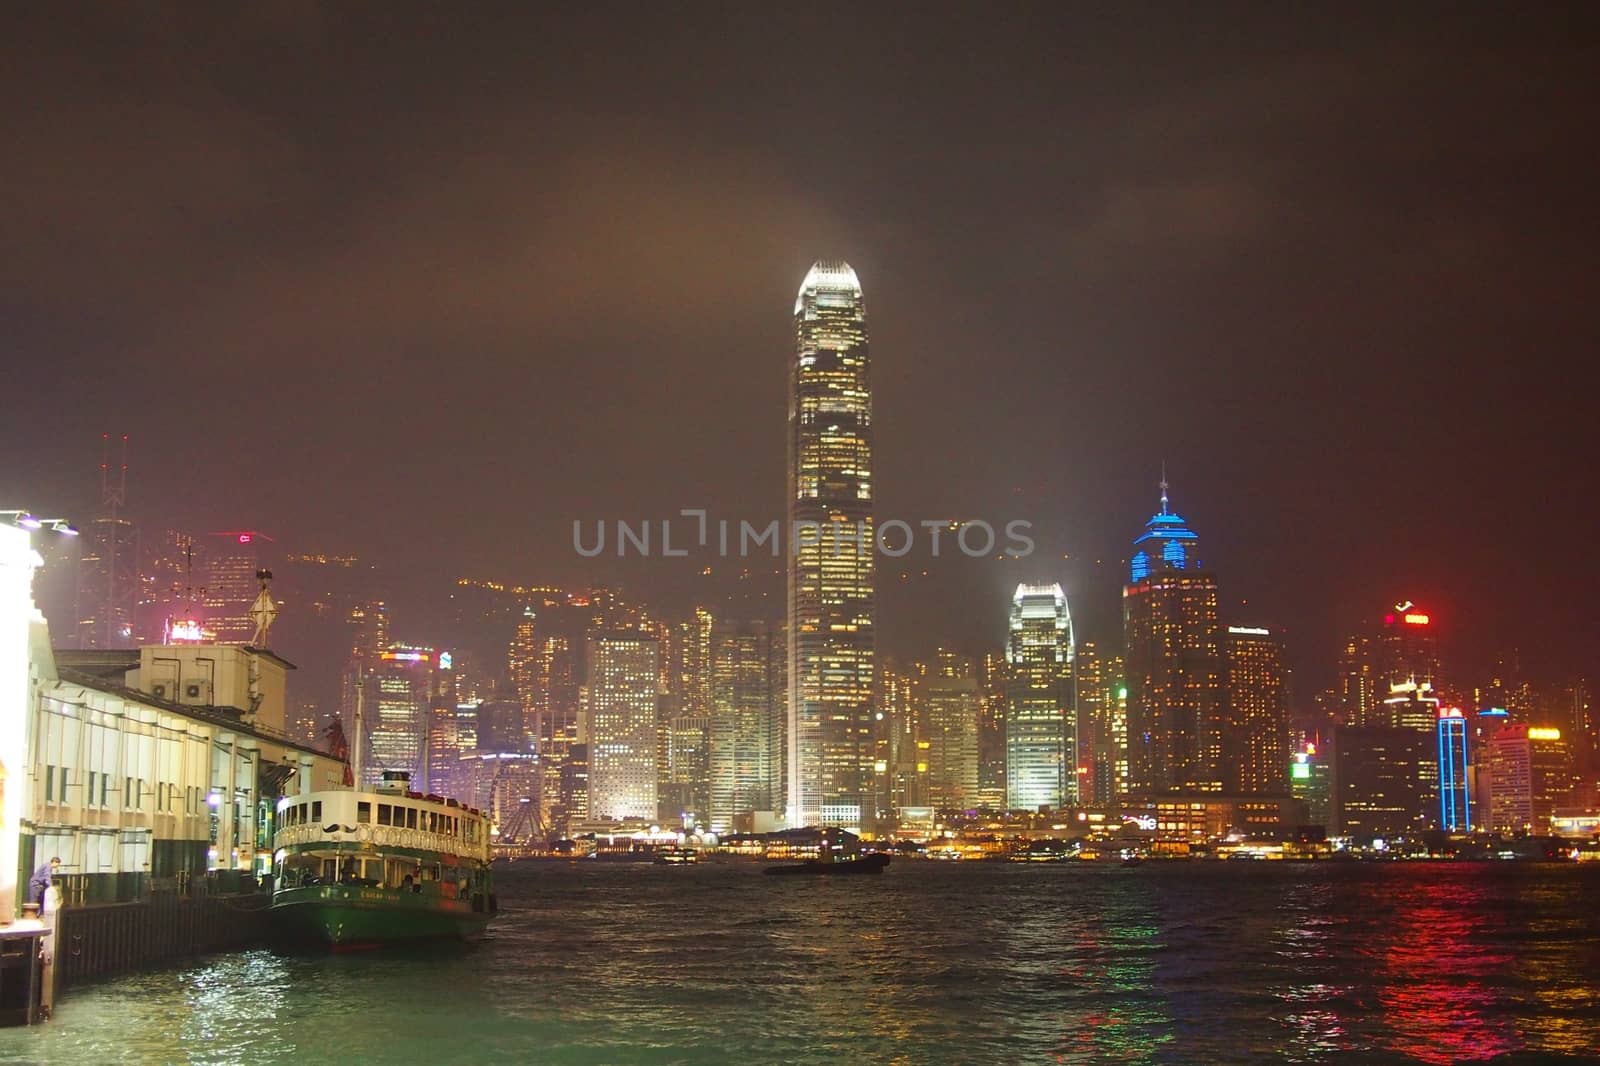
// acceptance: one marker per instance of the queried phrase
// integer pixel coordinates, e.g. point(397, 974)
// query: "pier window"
point(49, 784)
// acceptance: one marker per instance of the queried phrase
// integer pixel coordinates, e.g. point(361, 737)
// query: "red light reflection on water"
point(1439, 1007)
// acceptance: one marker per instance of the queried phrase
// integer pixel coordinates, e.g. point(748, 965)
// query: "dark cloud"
point(432, 282)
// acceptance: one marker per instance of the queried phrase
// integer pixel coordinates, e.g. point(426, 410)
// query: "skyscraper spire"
point(1163, 486)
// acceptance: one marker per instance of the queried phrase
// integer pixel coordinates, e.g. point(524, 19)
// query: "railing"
point(378, 836)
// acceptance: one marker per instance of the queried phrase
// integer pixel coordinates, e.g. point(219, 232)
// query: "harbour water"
point(933, 962)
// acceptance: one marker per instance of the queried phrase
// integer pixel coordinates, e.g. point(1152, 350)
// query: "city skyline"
point(1051, 324)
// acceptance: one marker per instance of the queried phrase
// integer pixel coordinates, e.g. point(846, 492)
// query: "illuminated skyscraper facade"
point(1174, 661)
point(620, 703)
point(230, 586)
point(1041, 724)
point(952, 703)
point(1256, 741)
point(1455, 789)
point(743, 763)
point(399, 691)
point(830, 579)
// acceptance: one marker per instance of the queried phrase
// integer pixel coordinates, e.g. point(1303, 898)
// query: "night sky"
point(428, 282)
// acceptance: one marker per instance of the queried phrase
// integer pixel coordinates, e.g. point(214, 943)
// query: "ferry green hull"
point(352, 917)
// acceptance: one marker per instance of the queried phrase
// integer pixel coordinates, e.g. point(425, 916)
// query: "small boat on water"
point(865, 864)
point(677, 857)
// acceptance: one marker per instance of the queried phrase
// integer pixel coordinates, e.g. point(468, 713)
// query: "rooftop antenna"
point(1163, 486)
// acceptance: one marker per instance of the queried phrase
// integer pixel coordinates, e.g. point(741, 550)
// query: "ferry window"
point(316, 811)
point(411, 817)
point(364, 813)
point(302, 814)
point(383, 814)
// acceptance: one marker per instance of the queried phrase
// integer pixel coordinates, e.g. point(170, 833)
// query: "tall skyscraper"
point(395, 713)
point(830, 581)
point(1041, 724)
point(743, 763)
point(952, 703)
point(108, 565)
point(992, 733)
point(1174, 661)
point(1097, 757)
point(620, 705)
point(1256, 744)
point(1531, 773)
point(230, 585)
point(1455, 789)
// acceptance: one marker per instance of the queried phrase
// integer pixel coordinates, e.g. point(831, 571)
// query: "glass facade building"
point(621, 703)
point(1174, 664)
point(830, 579)
point(1041, 720)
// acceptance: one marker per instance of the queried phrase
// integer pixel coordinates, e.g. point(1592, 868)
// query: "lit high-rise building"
point(1378, 781)
point(108, 582)
point(830, 580)
point(686, 782)
point(1173, 638)
point(230, 586)
point(1256, 740)
point(1455, 788)
point(952, 703)
point(1311, 782)
point(620, 705)
point(1530, 774)
point(395, 714)
point(992, 733)
point(743, 763)
point(1406, 648)
point(1041, 726)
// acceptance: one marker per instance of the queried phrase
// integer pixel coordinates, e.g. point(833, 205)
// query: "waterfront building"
point(903, 774)
point(1096, 741)
point(744, 705)
point(992, 733)
point(620, 701)
point(1041, 724)
point(831, 561)
point(1455, 789)
point(1379, 786)
point(1256, 742)
point(1311, 782)
point(1530, 774)
point(686, 786)
point(142, 769)
point(952, 704)
point(1173, 639)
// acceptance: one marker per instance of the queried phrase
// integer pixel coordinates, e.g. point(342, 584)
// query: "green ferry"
point(360, 869)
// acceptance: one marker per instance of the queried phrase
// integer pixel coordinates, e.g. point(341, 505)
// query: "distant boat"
point(1132, 860)
point(866, 864)
point(677, 857)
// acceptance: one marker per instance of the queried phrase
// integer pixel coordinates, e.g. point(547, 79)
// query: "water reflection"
point(1438, 990)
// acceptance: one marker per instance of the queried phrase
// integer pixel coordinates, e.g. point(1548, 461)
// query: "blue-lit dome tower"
point(1167, 543)
point(1176, 683)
